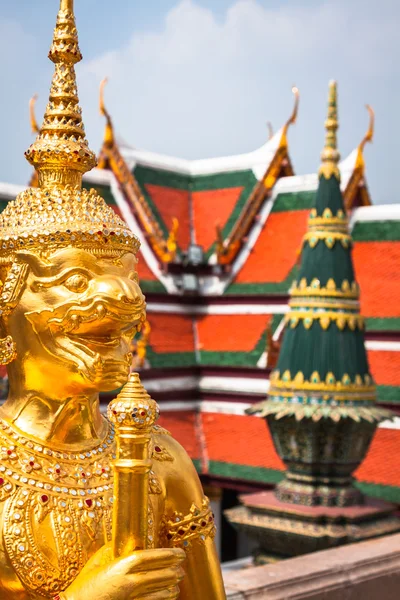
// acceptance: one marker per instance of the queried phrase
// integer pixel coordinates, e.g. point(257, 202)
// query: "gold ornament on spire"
point(330, 155)
point(59, 212)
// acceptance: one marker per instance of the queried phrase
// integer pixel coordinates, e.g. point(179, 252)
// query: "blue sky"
point(200, 78)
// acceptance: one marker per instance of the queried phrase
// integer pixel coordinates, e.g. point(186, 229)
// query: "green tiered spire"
point(321, 406)
point(322, 369)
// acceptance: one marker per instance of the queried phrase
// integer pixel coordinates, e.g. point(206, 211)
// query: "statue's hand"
point(145, 575)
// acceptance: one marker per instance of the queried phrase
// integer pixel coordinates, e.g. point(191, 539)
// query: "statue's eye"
point(77, 283)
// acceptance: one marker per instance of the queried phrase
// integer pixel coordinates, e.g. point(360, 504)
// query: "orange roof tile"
point(230, 332)
point(385, 367)
point(172, 203)
point(182, 425)
point(241, 440)
point(378, 274)
point(171, 333)
point(381, 465)
point(143, 270)
point(276, 250)
point(212, 208)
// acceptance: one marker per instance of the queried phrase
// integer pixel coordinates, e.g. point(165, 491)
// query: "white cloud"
point(203, 86)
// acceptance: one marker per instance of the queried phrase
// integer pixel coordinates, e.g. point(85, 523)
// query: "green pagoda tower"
point(321, 407)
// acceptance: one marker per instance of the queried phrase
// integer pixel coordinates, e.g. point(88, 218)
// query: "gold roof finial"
point(368, 137)
point(109, 130)
point(60, 152)
point(283, 143)
point(370, 133)
point(330, 156)
point(293, 117)
point(34, 124)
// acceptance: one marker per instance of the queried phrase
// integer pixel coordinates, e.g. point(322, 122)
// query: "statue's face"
point(75, 320)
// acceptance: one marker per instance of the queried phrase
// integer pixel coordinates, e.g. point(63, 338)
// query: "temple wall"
point(368, 570)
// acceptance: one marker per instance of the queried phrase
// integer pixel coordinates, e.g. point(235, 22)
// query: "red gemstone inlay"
point(143, 413)
point(193, 527)
point(83, 475)
point(1, 481)
point(9, 452)
point(181, 532)
point(31, 463)
point(157, 448)
point(58, 471)
point(103, 470)
point(44, 498)
point(203, 523)
point(89, 503)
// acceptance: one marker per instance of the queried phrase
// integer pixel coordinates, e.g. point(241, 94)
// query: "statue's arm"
point(195, 530)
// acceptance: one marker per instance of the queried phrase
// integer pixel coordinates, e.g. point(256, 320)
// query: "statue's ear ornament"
point(12, 287)
point(8, 350)
point(9, 297)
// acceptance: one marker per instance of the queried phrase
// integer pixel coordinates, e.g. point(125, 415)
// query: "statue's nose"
point(118, 288)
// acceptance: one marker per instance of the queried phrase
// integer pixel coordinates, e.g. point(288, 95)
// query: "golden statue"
point(70, 303)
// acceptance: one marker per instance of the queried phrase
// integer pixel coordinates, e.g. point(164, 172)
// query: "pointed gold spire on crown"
point(59, 213)
point(330, 156)
point(60, 152)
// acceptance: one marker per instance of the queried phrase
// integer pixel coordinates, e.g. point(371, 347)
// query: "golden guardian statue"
point(70, 303)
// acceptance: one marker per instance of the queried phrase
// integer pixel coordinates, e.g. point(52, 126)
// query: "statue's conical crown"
point(59, 212)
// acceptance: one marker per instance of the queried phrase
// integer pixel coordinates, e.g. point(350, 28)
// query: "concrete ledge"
point(369, 570)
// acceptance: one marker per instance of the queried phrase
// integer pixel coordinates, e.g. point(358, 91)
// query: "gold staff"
point(133, 413)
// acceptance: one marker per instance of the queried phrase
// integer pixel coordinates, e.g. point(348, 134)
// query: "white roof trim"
point(99, 176)
point(217, 309)
point(205, 406)
point(256, 160)
point(10, 191)
point(384, 345)
point(377, 212)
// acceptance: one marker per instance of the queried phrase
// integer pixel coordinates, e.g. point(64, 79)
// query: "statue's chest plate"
point(56, 509)
point(48, 539)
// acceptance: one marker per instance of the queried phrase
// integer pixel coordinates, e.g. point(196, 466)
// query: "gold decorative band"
point(346, 290)
point(359, 388)
point(300, 302)
point(325, 318)
point(327, 215)
point(329, 237)
point(181, 530)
